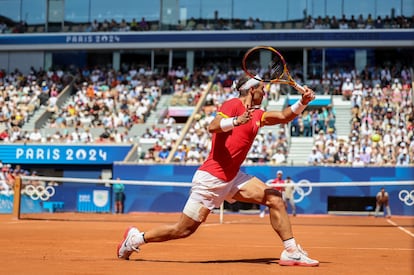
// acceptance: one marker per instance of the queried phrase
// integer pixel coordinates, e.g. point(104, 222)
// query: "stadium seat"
point(278, 25)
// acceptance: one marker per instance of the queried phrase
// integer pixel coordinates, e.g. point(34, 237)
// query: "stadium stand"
point(111, 25)
point(109, 106)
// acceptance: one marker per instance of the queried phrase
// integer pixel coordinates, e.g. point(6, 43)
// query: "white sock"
point(137, 240)
point(290, 244)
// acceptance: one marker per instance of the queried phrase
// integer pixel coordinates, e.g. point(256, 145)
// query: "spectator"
point(330, 151)
point(249, 24)
point(143, 25)
point(316, 157)
point(257, 25)
point(5, 135)
point(4, 187)
point(309, 22)
point(357, 162)
point(35, 136)
point(365, 155)
point(180, 155)
point(343, 24)
point(403, 159)
point(356, 93)
point(279, 157)
point(347, 89)
point(274, 91)
point(193, 155)
point(326, 83)
point(320, 140)
point(307, 124)
point(379, 24)
point(163, 154)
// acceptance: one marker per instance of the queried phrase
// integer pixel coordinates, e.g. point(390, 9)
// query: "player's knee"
point(274, 199)
point(276, 202)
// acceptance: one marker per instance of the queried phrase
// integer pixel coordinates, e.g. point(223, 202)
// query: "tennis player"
point(219, 178)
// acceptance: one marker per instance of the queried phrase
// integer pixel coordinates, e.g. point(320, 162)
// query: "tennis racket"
point(266, 64)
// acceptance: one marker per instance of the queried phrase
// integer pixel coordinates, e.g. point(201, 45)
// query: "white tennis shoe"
point(299, 257)
point(126, 247)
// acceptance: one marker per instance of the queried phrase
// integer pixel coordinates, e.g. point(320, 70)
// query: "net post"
point(17, 198)
point(221, 212)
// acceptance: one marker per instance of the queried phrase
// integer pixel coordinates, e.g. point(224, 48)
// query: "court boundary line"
point(401, 228)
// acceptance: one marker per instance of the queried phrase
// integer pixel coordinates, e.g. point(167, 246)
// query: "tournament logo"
point(100, 197)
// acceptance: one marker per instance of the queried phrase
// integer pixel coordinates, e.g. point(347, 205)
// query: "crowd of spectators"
point(116, 100)
point(8, 174)
point(101, 98)
point(314, 120)
point(110, 100)
point(382, 126)
point(327, 22)
point(21, 95)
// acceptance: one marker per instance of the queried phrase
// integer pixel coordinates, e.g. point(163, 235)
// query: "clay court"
point(243, 244)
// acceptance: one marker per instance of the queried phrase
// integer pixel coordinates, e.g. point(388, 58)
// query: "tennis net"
point(60, 198)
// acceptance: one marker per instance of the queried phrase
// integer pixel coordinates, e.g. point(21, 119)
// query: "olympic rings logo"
point(302, 188)
point(39, 192)
point(406, 197)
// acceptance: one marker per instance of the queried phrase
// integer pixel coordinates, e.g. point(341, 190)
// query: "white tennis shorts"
point(211, 191)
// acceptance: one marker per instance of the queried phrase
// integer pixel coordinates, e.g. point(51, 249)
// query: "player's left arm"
point(289, 113)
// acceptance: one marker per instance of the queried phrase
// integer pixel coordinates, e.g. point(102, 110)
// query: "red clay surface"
point(243, 244)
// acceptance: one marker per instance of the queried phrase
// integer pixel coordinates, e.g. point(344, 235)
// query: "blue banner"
point(309, 200)
point(93, 200)
point(211, 36)
point(6, 203)
point(27, 204)
point(63, 154)
point(319, 101)
point(66, 198)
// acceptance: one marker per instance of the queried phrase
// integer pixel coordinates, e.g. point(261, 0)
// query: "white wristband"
point(298, 107)
point(226, 124)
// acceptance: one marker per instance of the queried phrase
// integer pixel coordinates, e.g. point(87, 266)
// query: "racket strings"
point(253, 65)
point(267, 69)
point(276, 70)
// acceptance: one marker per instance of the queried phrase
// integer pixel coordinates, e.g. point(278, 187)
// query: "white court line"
point(247, 220)
point(265, 246)
point(400, 227)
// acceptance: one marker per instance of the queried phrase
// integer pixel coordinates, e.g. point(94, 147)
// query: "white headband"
point(250, 83)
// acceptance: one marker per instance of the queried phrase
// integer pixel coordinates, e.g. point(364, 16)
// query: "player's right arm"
point(224, 123)
point(289, 113)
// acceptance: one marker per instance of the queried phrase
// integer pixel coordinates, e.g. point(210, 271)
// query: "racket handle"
point(299, 88)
